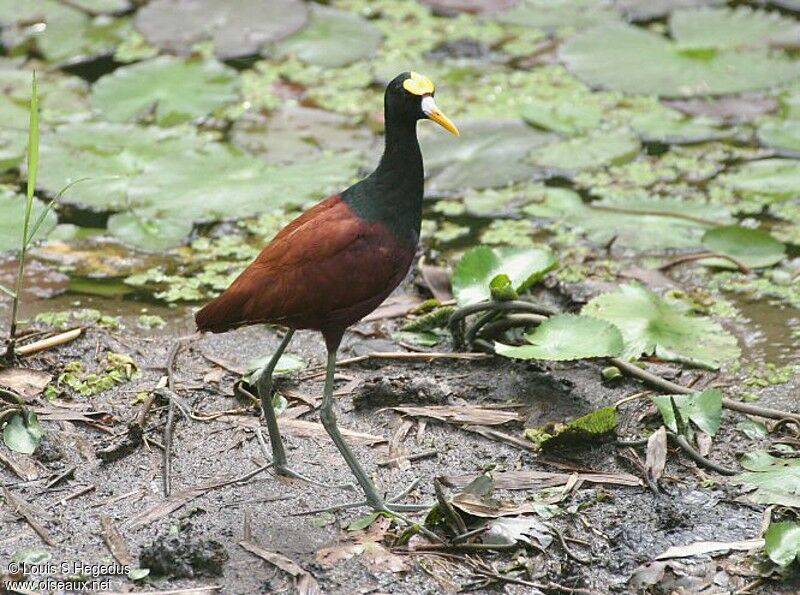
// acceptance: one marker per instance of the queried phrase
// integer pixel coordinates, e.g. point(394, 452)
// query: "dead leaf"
point(656, 454)
point(704, 442)
point(393, 308)
point(653, 278)
point(397, 451)
point(484, 507)
point(731, 109)
point(525, 529)
point(470, 6)
point(306, 584)
point(22, 465)
point(534, 480)
point(366, 545)
point(438, 281)
point(709, 547)
point(462, 414)
point(115, 542)
point(304, 429)
point(214, 375)
point(26, 382)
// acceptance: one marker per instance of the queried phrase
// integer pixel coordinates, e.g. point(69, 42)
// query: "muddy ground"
point(610, 531)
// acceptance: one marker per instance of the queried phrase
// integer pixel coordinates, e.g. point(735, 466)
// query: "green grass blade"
point(8, 291)
point(33, 140)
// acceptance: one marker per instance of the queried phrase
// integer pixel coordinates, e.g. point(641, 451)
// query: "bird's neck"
point(392, 194)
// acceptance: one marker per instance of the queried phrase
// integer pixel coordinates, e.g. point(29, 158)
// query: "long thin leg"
point(328, 418)
point(264, 386)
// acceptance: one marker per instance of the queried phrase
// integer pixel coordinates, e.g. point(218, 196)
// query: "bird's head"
point(410, 97)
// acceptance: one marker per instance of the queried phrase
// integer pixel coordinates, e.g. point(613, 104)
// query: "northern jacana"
point(337, 262)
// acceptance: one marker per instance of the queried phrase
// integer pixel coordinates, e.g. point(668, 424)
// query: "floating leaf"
point(626, 58)
point(287, 364)
point(173, 90)
point(551, 15)
point(567, 337)
point(703, 409)
point(12, 213)
point(640, 223)
point(777, 481)
point(149, 233)
point(721, 28)
point(651, 325)
point(754, 247)
point(648, 10)
point(782, 542)
point(776, 179)
point(587, 152)
point(477, 268)
point(668, 126)
point(23, 433)
point(781, 135)
point(487, 154)
point(333, 38)
point(568, 117)
point(239, 28)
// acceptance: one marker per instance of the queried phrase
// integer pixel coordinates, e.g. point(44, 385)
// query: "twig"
point(697, 457)
point(22, 508)
point(412, 457)
point(671, 387)
point(167, 453)
point(49, 342)
point(703, 255)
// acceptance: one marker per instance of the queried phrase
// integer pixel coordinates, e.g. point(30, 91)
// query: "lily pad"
point(595, 150)
point(567, 337)
point(647, 10)
point(703, 409)
point(777, 481)
point(781, 135)
point(153, 234)
point(782, 542)
point(626, 58)
point(551, 15)
point(12, 214)
point(173, 90)
point(723, 28)
point(476, 269)
point(23, 433)
point(240, 28)
point(754, 247)
point(638, 223)
point(564, 117)
point(774, 179)
point(651, 325)
point(333, 38)
point(671, 127)
point(69, 35)
point(488, 154)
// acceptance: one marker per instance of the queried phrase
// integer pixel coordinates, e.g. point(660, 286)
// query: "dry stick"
point(671, 387)
point(22, 508)
point(412, 457)
point(697, 457)
point(49, 342)
point(167, 453)
point(703, 255)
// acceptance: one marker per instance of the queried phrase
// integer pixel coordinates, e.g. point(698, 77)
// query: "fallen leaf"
point(365, 544)
point(709, 547)
point(533, 480)
point(25, 382)
point(306, 584)
point(656, 454)
point(462, 414)
point(526, 529)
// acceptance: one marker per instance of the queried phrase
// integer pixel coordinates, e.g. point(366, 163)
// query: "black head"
point(409, 97)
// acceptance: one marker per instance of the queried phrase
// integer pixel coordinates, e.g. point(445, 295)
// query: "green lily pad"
point(153, 234)
point(782, 542)
point(722, 28)
point(239, 28)
point(173, 90)
point(333, 38)
point(12, 215)
point(488, 154)
point(669, 126)
point(152, 173)
point(626, 58)
point(23, 433)
point(60, 96)
point(647, 10)
point(476, 269)
point(754, 247)
point(703, 409)
point(651, 325)
point(636, 223)
point(564, 117)
point(70, 34)
point(595, 150)
point(551, 15)
point(776, 481)
point(102, 6)
point(567, 337)
point(781, 135)
point(774, 179)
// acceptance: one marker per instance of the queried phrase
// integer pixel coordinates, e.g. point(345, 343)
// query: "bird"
point(337, 262)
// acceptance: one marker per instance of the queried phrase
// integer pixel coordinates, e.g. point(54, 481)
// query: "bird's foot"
point(280, 467)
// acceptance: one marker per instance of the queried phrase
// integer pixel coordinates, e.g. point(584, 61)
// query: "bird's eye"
point(418, 84)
